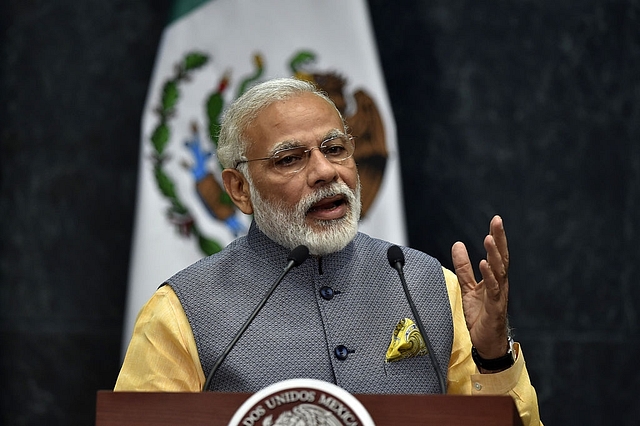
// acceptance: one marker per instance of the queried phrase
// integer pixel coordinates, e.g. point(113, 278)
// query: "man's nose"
point(319, 168)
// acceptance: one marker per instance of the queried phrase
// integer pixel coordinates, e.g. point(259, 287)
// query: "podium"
point(217, 408)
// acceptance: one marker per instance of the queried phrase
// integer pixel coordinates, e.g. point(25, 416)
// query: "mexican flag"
point(210, 53)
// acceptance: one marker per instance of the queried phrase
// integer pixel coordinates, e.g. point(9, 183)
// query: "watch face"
point(510, 350)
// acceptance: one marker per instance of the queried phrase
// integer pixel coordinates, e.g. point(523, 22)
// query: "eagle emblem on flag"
point(200, 142)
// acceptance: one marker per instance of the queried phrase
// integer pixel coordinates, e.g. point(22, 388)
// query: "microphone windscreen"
point(395, 256)
point(298, 255)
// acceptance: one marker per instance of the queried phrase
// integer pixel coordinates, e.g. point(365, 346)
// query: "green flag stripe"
point(182, 7)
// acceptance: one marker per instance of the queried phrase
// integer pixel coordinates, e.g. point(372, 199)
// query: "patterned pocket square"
point(406, 342)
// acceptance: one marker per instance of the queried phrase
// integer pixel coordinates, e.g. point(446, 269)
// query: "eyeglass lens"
point(292, 160)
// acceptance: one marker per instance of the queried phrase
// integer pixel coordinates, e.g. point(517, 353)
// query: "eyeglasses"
point(287, 161)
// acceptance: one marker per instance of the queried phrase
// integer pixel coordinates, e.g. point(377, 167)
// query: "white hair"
point(237, 119)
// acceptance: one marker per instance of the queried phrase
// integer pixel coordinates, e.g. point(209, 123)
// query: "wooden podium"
point(217, 408)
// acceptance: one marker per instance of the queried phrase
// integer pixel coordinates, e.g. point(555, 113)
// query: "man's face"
point(318, 206)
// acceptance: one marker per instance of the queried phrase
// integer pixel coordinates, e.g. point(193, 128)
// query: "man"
point(288, 160)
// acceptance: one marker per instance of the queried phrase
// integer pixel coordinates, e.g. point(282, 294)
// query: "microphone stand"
point(296, 257)
point(396, 260)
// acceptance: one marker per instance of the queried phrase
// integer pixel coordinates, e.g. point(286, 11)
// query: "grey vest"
point(347, 303)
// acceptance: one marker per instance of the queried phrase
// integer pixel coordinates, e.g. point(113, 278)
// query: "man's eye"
point(287, 160)
point(335, 150)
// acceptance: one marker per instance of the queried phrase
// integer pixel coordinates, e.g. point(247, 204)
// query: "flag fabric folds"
point(210, 53)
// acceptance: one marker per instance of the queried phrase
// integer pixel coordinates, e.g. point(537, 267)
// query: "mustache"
point(331, 190)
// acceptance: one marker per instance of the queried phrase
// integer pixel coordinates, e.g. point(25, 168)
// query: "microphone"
point(297, 256)
point(396, 260)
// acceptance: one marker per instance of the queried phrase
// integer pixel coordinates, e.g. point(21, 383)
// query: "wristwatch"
point(495, 364)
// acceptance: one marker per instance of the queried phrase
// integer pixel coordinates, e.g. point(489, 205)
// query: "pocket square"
point(406, 342)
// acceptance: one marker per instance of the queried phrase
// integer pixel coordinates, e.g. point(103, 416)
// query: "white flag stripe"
point(230, 32)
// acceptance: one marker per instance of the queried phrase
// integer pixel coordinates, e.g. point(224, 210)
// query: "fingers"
point(494, 269)
point(462, 266)
point(489, 280)
point(496, 230)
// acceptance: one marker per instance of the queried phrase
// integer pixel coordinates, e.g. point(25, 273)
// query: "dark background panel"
point(529, 109)
point(74, 81)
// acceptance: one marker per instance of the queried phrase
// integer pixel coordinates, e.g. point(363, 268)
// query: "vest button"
point(341, 352)
point(327, 293)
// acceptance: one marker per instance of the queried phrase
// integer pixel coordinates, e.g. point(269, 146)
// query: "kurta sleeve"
point(162, 355)
point(463, 377)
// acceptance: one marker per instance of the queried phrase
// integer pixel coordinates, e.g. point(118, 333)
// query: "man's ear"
point(238, 189)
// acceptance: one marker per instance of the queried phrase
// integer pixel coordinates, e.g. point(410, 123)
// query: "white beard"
point(287, 227)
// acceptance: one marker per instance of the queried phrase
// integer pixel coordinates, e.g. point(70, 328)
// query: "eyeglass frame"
point(307, 151)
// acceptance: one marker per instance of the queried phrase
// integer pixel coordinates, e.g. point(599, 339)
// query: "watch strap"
point(495, 364)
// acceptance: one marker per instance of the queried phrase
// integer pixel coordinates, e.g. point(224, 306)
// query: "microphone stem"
point(255, 312)
point(425, 337)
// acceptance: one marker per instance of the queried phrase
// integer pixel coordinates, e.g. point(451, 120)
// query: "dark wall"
point(530, 109)
point(74, 81)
